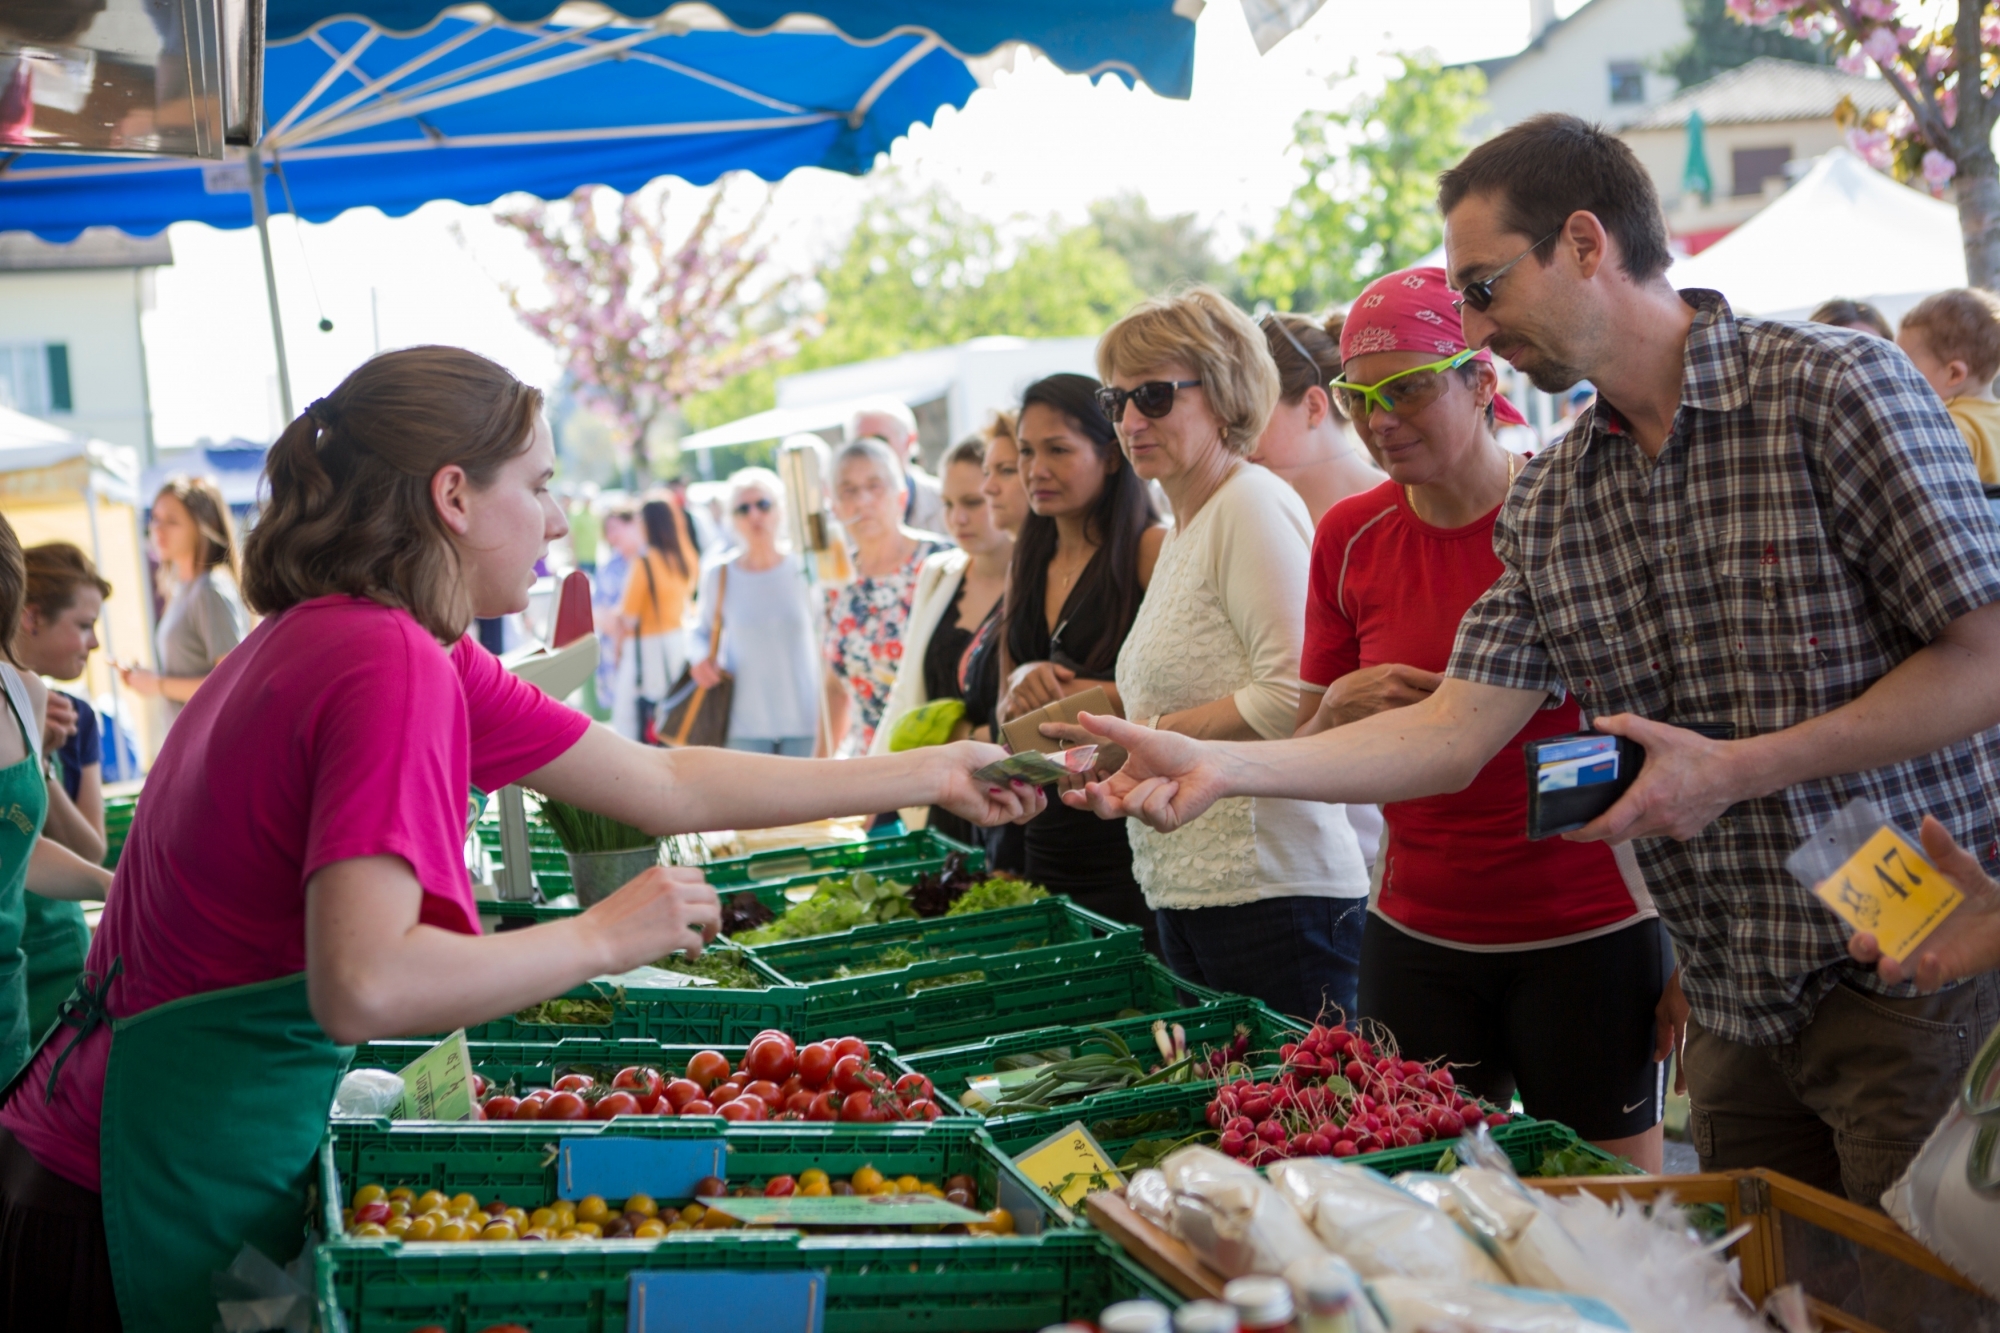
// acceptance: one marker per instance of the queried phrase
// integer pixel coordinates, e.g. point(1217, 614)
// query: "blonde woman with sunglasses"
point(1534, 966)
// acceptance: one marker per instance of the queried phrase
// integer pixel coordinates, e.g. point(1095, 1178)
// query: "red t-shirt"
point(339, 729)
point(1388, 587)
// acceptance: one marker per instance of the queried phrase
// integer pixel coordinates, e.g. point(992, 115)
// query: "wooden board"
point(1165, 1257)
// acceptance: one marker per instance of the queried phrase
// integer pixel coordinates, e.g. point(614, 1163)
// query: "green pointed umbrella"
point(1695, 178)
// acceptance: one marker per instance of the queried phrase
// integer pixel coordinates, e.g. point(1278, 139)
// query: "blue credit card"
point(1588, 761)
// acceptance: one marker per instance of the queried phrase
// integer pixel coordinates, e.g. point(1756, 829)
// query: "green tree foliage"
point(1159, 251)
point(1717, 42)
point(920, 271)
point(1368, 204)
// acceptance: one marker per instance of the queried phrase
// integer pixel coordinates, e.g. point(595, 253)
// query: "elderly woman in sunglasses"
point(1537, 966)
point(762, 605)
point(1260, 896)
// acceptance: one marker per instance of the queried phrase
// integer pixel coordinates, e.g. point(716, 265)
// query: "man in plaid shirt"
point(1765, 525)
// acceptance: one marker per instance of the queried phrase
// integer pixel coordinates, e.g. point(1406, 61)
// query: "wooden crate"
point(1860, 1271)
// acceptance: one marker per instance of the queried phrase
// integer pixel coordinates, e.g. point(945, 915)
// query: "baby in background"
point(1954, 339)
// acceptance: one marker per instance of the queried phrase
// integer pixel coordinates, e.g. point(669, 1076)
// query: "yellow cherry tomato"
point(693, 1213)
point(518, 1217)
point(649, 1229)
point(398, 1226)
point(498, 1229)
point(590, 1229)
point(368, 1194)
point(543, 1216)
point(422, 1228)
point(399, 1207)
point(909, 1185)
point(883, 1187)
point(865, 1180)
point(714, 1221)
point(462, 1205)
point(1001, 1221)
point(811, 1176)
point(368, 1229)
point(432, 1201)
point(403, 1192)
point(452, 1229)
point(642, 1204)
point(592, 1208)
point(817, 1189)
point(681, 1225)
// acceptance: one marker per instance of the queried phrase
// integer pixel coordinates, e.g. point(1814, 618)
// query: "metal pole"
point(260, 212)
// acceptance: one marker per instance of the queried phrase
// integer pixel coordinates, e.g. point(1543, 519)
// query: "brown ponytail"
point(13, 589)
point(1307, 354)
point(351, 509)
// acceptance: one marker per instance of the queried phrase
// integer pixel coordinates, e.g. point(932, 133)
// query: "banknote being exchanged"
point(1039, 769)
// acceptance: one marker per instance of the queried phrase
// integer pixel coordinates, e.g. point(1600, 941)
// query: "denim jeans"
point(792, 747)
point(1298, 955)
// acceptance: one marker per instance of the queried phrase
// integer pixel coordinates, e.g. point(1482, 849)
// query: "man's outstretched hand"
point(1965, 943)
point(1168, 779)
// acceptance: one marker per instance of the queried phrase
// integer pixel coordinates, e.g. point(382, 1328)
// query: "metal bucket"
point(597, 875)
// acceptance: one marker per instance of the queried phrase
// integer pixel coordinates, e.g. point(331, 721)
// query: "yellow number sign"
point(1889, 890)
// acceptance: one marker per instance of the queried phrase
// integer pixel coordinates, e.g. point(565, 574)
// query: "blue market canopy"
point(1148, 39)
point(472, 110)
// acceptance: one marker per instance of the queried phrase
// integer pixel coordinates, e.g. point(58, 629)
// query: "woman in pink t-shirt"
point(295, 882)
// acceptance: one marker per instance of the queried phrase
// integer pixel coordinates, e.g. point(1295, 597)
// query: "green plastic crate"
point(915, 1014)
point(533, 1064)
point(515, 1162)
point(1046, 922)
point(874, 1284)
point(680, 1014)
point(1523, 1140)
point(118, 812)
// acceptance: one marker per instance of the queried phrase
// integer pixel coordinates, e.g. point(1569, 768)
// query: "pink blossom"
point(1875, 9)
point(1989, 31)
point(1938, 59)
point(1938, 169)
point(1902, 121)
point(1756, 12)
point(1853, 63)
point(1881, 46)
point(1873, 146)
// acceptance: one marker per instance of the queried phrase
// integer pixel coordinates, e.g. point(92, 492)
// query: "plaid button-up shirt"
point(1812, 520)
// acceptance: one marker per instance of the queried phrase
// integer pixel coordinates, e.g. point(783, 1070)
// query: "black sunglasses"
point(759, 505)
point(1154, 398)
point(1479, 295)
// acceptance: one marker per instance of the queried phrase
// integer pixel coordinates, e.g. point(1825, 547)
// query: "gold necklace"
point(1513, 471)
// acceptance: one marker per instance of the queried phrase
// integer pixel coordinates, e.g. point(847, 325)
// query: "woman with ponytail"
point(294, 882)
point(204, 618)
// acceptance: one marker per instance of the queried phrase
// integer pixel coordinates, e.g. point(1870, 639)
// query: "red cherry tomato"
point(912, 1088)
point(822, 1107)
point(780, 1187)
point(708, 1068)
point(774, 1058)
point(501, 1107)
point(617, 1103)
point(682, 1091)
point(816, 1064)
point(479, 1086)
point(574, 1082)
point(377, 1211)
point(850, 1046)
point(722, 1093)
point(856, 1106)
point(769, 1091)
point(564, 1106)
point(745, 1107)
point(800, 1102)
point(847, 1075)
point(792, 1085)
point(529, 1109)
point(921, 1110)
point(699, 1106)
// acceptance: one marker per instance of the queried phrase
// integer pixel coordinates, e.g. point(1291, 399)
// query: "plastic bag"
point(1432, 1307)
point(1936, 1201)
point(1380, 1229)
point(1231, 1217)
point(367, 1093)
point(1531, 1245)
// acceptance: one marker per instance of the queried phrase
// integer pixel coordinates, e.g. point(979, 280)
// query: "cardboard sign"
point(857, 1210)
point(437, 1085)
point(781, 1302)
point(1890, 890)
point(617, 1168)
point(1069, 1164)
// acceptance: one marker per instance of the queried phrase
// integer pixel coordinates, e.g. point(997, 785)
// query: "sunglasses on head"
point(760, 505)
point(1479, 295)
point(1415, 389)
point(1154, 398)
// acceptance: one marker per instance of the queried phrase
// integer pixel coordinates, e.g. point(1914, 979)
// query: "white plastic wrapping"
point(1456, 1307)
point(1531, 1245)
point(367, 1093)
point(1231, 1216)
point(1382, 1230)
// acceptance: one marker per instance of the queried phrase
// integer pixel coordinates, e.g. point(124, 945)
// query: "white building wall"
point(95, 312)
point(1569, 68)
point(1664, 155)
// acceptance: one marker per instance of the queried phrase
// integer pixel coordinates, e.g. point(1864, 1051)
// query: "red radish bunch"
point(1339, 1094)
point(776, 1080)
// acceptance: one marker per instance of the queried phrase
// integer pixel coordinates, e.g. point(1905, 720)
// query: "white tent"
point(1844, 229)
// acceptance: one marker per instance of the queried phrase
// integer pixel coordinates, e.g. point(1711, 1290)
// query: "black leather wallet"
point(1575, 778)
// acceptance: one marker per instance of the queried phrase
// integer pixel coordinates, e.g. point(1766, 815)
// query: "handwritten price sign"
point(1890, 890)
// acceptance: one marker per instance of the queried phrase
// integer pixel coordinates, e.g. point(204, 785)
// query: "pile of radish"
point(1339, 1093)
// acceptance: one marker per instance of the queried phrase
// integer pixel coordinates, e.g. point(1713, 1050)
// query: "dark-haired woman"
point(1081, 565)
point(656, 605)
point(294, 882)
point(196, 546)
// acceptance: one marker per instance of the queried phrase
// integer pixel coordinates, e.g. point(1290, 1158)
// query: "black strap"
point(85, 1010)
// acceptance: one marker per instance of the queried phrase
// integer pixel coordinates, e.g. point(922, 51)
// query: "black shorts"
point(1572, 1026)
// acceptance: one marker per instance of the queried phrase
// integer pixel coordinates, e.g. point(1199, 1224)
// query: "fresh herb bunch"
point(839, 904)
point(996, 891)
point(728, 968)
point(590, 1013)
point(744, 911)
point(936, 890)
point(580, 830)
point(1058, 1082)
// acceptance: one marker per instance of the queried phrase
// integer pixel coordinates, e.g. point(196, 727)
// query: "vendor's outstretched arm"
point(1435, 746)
point(703, 787)
point(1945, 691)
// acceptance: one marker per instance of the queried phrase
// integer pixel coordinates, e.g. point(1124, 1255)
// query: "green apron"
point(214, 1109)
point(55, 940)
point(24, 803)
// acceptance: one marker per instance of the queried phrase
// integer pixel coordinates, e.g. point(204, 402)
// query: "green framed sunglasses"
point(1420, 387)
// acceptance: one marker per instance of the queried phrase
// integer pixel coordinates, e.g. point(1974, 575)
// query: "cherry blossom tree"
point(1941, 135)
point(645, 314)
